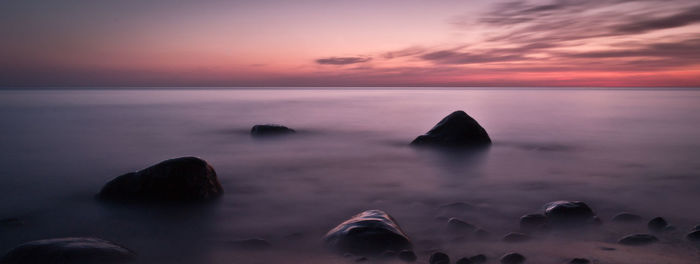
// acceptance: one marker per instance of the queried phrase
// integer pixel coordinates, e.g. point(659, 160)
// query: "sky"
point(128, 43)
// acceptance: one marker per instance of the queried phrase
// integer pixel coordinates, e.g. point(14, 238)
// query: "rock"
point(270, 130)
point(389, 254)
point(370, 232)
point(439, 258)
point(457, 206)
point(481, 258)
point(512, 258)
point(180, 179)
point(569, 213)
point(407, 256)
point(694, 236)
point(464, 261)
point(481, 233)
point(579, 261)
point(515, 237)
point(638, 239)
point(72, 250)
point(669, 228)
point(361, 259)
point(456, 130)
point(533, 222)
point(657, 224)
point(251, 244)
point(697, 227)
point(607, 248)
point(456, 225)
point(626, 217)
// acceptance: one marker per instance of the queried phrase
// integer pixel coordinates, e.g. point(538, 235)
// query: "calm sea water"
point(618, 150)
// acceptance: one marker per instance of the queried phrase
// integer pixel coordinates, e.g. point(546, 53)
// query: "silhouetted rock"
point(407, 256)
point(694, 236)
point(657, 224)
point(456, 130)
point(73, 250)
point(456, 225)
point(569, 213)
point(370, 232)
point(697, 227)
point(439, 258)
point(464, 261)
point(180, 179)
point(626, 217)
point(361, 259)
point(481, 258)
point(638, 239)
point(515, 237)
point(533, 222)
point(512, 258)
point(579, 261)
point(481, 233)
point(270, 130)
point(251, 244)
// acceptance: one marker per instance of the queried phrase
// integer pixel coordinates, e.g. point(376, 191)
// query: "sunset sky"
point(349, 43)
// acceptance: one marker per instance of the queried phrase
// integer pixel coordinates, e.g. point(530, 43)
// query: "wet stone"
point(694, 236)
point(512, 258)
point(657, 224)
point(515, 237)
point(439, 258)
point(464, 261)
point(481, 258)
point(638, 240)
point(579, 261)
point(626, 217)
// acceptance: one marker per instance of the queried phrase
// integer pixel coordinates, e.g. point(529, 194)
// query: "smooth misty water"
point(618, 150)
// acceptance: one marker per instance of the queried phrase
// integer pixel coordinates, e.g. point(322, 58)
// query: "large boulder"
point(456, 130)
point(73, 250)
point(270, 130)
point(569, 213)
point(180, 179)
point(370, 232)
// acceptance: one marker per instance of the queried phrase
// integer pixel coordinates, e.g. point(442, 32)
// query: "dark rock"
point(439, 258)
point(638, 239)
point(657, 224)
point(533, 222)
point(669, 228)
point(694, 236)
point(251, 244)
point(512, 258)
point(270, 130)
point(515, 237)
point(457, 206)
point(407, 256)
point(697, 227)
point(180, 179)
point(464, 261)
point(579, 261)
point(456, 225)
point(626, 217)
point(607, 248)
point(456, 130)
point(361, 259)
point(481, 233)
point(569, 213)
point(71, 250)
point(370, 232)
point(481, 258)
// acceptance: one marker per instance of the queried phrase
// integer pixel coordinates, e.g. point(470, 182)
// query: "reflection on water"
point(618, 150)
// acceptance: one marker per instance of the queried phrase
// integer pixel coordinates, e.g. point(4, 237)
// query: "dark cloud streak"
point(342, 60)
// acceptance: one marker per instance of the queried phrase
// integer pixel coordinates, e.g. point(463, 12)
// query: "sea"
point(618, 150)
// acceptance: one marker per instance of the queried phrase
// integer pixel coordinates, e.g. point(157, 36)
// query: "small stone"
point(456, 225)
point(638, 240)
point(464, 261)
point(607, 248)
point(369, 233)
point(657, 224)
point(270, 130)
point(69, 250)
point(361, 259)
point(407, 256)
point(694, 236)
point(439, 258)
point(533, 222)
point(481, 258)
point(697, 227)
point(515, 237)
point(512, 258)
point(569, 213)
point(579, 261)
point(457, 206)
point(251, 244)
point(626, 217)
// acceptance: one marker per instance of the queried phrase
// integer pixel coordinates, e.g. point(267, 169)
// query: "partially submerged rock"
point(694, 236)
point(464, 261)
point(459, 226)
point(516, 237)
point(180, 179)
point(73, 250)
point(579, 261)
point(638, 239)
point(657, 224)
point(626, 217)
point(512, 258)
point(270, 130)
point(569, 213)
point(439, 258)
point(407, 256)
point(533, 222)
point(481, 258)
point(370, 232)
point(456, 130)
